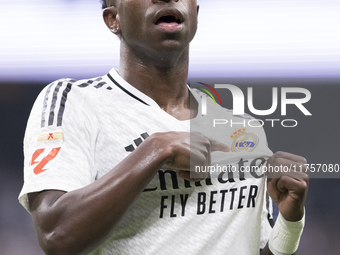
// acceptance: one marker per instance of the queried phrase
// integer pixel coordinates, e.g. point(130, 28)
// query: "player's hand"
point(189, 150)
point(288, 187)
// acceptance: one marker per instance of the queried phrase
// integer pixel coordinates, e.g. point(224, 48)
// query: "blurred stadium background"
point(248, 43)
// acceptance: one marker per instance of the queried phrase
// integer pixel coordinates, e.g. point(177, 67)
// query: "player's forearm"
point(77, 221)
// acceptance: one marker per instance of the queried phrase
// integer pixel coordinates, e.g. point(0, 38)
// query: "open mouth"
point(169, 19)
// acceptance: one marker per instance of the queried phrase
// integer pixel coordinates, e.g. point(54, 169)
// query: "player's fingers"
point(290, 181)
point(218, 146)
point(281, 166)
point(280, 155)
point(189, 175)
point(198, 138)
point(277, 178)
point(279, 171)
point(296, 187)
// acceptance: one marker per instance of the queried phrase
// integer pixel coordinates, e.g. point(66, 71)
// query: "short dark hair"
point(104, 5)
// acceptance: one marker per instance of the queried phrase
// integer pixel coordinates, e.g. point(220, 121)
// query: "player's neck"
point(164, 80)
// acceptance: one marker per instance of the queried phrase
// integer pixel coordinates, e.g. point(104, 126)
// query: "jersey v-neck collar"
point(130, 90)
point(118, 81)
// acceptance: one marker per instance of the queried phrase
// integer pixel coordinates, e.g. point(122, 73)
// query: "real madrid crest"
point(243, 141)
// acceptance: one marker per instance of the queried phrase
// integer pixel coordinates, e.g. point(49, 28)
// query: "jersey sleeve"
point(59, 141)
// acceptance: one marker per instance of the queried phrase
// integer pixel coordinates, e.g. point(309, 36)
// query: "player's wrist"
point(294, 216)
point(158, 142)
point(285, 236)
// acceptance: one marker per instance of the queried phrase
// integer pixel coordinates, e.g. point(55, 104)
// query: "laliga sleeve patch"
point(45, 156)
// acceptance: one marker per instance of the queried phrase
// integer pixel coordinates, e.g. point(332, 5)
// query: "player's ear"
point(111, 19)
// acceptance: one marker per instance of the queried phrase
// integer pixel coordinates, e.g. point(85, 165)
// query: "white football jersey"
point(80, 130)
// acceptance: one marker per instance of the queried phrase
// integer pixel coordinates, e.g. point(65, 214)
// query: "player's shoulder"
point(71, 88)
point(67, 93)
point(95, 83)
point(79, 85)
